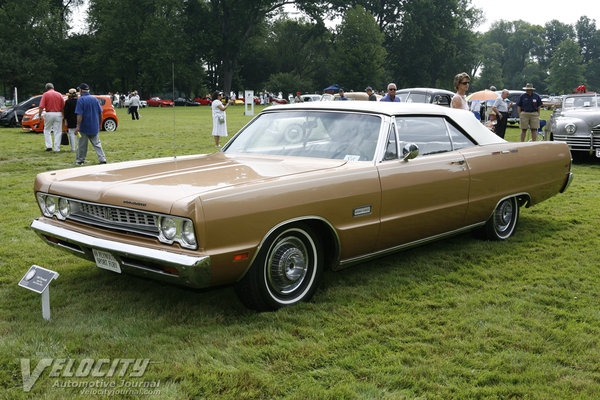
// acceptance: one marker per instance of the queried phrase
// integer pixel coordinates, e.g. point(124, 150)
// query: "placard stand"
point(38, 279)
point(249, 102)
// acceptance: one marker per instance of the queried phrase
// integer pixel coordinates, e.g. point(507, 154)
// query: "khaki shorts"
point(529, 120)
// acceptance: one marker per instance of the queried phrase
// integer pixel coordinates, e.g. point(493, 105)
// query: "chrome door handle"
point(458, 162)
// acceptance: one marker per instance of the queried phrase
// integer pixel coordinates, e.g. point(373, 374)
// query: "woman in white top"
point(219, 117)
point(461, 84)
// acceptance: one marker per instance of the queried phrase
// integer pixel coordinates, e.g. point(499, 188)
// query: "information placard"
point(37, 278)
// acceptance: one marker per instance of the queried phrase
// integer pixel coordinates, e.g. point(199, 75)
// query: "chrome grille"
point(114, 217)
point(580, 142)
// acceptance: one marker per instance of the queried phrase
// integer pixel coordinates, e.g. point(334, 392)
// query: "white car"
point(143, 103)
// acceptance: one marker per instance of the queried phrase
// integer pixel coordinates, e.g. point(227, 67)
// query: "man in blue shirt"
point(529, 112)
point(391, 94)
point(89, 118)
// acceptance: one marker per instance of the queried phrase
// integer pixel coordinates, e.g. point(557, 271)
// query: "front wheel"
point(109, 125)
point(286, 271)
point(503, 221)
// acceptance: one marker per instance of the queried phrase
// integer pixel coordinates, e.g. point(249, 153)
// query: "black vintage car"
point(7, 117)
point(180, 101)
point(440, 97)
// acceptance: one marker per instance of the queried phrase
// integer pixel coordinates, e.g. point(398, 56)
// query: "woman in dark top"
point(71, 117)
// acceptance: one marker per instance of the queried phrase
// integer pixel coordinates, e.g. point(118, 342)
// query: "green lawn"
point(457, 319)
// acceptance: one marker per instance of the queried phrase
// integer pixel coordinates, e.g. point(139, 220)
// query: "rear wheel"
point(503, 221)
point(286, 271)
point(109, 125)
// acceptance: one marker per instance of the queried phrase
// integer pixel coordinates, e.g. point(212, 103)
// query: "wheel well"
point(523, 199)
point(329, 240)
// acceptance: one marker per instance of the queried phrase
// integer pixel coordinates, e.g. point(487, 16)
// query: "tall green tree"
point(432, 43)
point(300, 49)
point(137, 43)
point(587, 38)
point(556, 32)
point(233, 22)
point(360, 53)
point(491, 74)
point(566, 68)
point(525, 43)
point(32, 35)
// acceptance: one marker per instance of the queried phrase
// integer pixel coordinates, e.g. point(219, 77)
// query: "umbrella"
point(483, 95)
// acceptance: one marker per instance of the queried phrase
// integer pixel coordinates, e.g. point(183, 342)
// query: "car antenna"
point(174, 132)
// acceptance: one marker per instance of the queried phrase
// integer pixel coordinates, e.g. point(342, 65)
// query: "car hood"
point(155, 185)
point(590, 115)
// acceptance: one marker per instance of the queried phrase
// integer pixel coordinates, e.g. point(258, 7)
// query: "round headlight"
point(50, 203)
point(63, 207)
point(570, 128)
point(168, 227)
point(188, 233)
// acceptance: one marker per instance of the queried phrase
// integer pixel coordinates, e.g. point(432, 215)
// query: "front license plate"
point(598, 153)
point(106, 260)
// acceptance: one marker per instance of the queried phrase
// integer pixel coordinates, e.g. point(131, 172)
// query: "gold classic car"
point(300, 188)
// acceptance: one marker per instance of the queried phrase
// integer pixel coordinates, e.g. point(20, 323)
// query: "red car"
point(158, 102)
point(32, 123)
point(205, 101)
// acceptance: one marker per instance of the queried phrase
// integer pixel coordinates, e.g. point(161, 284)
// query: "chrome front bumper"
point(156, 264)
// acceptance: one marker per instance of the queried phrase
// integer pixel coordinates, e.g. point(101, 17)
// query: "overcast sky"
point(538, 12)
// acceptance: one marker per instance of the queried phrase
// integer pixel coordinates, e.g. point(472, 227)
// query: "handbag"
point(221, 119)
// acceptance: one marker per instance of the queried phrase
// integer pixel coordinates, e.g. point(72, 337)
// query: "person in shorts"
point(529, 112)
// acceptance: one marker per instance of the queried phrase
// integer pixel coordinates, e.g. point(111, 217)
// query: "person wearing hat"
point(528, 106)
point(52, 103)
point(71, 117)
point(372, 96)
point(342, 95)
point(298, 99)
point(89, 118)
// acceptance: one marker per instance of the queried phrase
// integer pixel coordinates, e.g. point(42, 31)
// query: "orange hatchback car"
point(32, 122)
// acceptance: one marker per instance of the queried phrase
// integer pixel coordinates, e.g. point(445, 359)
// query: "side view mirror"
point(410, 151)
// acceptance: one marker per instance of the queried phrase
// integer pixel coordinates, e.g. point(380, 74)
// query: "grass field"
point(457, 319)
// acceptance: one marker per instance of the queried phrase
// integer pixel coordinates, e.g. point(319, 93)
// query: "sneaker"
point(48, 149)
point(102, 162)
point(78, 163)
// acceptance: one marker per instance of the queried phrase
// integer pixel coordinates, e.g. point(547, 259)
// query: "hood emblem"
point(134, 203)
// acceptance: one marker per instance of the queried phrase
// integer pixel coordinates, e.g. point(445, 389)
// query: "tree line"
point(192, 47)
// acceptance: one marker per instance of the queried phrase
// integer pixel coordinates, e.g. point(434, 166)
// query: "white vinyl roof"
point(463, 118)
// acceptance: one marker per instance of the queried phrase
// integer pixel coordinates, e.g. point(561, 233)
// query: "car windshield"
point(580, 101)
point(26, 101)
point(316, 134)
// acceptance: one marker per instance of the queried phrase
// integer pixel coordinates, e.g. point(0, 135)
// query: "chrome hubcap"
point(504, 216)
point(288, 265)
